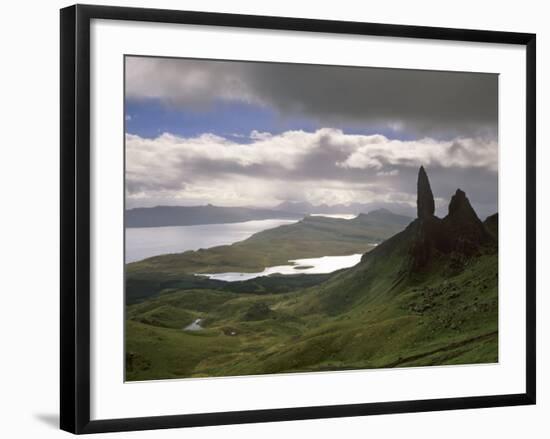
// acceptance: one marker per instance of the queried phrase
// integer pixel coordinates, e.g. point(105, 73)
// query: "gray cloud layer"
point(452, 116)
point(327, 166)
point(423, 102)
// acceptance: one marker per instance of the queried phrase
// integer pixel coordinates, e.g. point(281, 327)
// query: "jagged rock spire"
point(464, 229)
point(425, 205)
point(460, 206)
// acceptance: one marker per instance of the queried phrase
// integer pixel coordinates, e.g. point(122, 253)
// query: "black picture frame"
point(75, 217)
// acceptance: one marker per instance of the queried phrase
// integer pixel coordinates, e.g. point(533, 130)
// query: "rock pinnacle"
point(425, 205)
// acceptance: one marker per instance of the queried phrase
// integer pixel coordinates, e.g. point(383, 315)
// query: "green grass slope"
point(428, 295)
point(446, 314)
point(314, 236)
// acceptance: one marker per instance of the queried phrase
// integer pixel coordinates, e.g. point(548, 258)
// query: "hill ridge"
point(460, 231)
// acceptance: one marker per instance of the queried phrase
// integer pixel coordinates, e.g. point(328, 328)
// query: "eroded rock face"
point(425, 205)
point(460, 207)
point(465, 230)
point(427, 228)
point(491, 224)
point(428, 239)
point(461, 231)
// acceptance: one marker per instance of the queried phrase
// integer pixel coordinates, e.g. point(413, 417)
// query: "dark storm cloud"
point(423, 102)
point(426, 101)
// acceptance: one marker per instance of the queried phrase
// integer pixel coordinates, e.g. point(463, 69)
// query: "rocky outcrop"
point(429, 240)
point(460, 232)
point(464, 229)
point(491, 224)
point(425, 205)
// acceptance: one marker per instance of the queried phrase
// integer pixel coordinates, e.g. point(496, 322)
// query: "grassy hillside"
point(427, 295)
point(444, 317)
point(141, 287)
point(312, 237)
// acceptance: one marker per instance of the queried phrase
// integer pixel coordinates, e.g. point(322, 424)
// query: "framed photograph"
point(268, 218)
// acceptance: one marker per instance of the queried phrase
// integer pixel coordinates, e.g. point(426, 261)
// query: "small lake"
point(324, 264)
point(346, 216)
point(195, 326)
point(144, 242)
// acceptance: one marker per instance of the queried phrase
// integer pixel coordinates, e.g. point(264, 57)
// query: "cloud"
point(380, 152)
point(325, 166)
point(433, 103)
point(186, 82)
point(257, 135)
point(387, 173)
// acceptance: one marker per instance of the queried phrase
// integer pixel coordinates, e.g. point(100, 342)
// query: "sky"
point(234, 133)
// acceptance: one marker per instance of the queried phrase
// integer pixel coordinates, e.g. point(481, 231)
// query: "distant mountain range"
point(352, 208)
point(382, 218)
point(162, 216)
